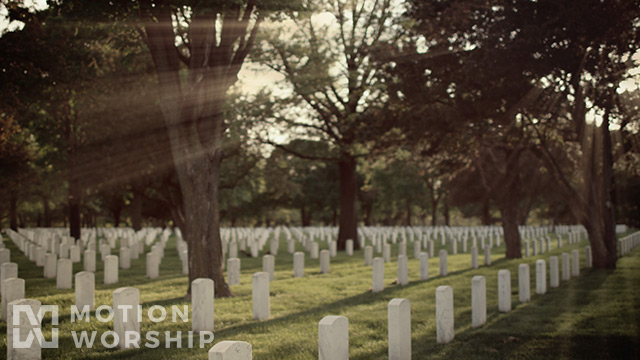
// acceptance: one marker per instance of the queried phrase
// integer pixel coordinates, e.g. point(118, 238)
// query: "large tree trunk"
point(202, 224)
point(348, 195)
point(116, 217)
point(434, 212)
point(599, 219)
point(47, 211)
point(609, 196)
point(409, 212)
point(136, 210)
point(446, 213)
point(486, 215)
point(509, 211)
point(305, 216)
point(13, 211)
point(193, 115)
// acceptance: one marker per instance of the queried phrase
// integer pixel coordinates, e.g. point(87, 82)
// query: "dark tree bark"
point(305, 216)
point(445, 212)
point(47, 211)
point(348, 196)
point(117, 216)
point(486, 215)
point(136, 209)
point(510, 216)
point(74, 201)
point(409, 212)
point(193, 113)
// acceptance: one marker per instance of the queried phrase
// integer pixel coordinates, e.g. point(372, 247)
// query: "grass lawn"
point(593, 316)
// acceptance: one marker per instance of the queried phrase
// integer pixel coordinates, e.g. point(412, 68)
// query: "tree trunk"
point(74, 200)
point(136, 210)
point(13, 211)
point(202, 224)
point(509, 211)
point(348, 196)
point(445, 212)
point(606, 256)
point(305, 216)
point(434, 212)
point(47, 211)
point(116, 217)
point(193, 115)
point(409, 212)
point(486, 215)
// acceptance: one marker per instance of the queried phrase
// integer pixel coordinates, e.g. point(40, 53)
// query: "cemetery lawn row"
point(596, 315)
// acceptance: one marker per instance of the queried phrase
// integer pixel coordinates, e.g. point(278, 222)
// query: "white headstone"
point(230, 350)
point(40, 252)
point(325, 260)
point(444, 314)
point(402, 248)
point(399, 322)
point(378, 275)
point(588, 261)
point(349, 247)
point(50, 264)
point(125, 258)
point(8, 270)
point(575, 263)
point(110, 270)
point(541, 277)
point(333, 338)
point(260, 294)
point(487, 255)
point(368, 255)
point(153, 265)
point(298, 264)
point(64, 275)
point(424, 266)
point(314, 253)
point(524, 283)
point(386, 252)
point(202, 294)
point(269, 265)
point(85, 290)
point(403, 270)
point(474, 257)
point(233, 250)
point(12, 289)
point(478, 301)
point(74, 253)
point(233, 271)
point(125, 316)
point(504, 290)
point(21, 324)
point(443, 262)
point(90, 260)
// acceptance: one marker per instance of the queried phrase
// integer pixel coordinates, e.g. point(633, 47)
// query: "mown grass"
point(596, 315)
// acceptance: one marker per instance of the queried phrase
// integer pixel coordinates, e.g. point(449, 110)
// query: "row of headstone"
point(403, 268)
point(628, 243)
